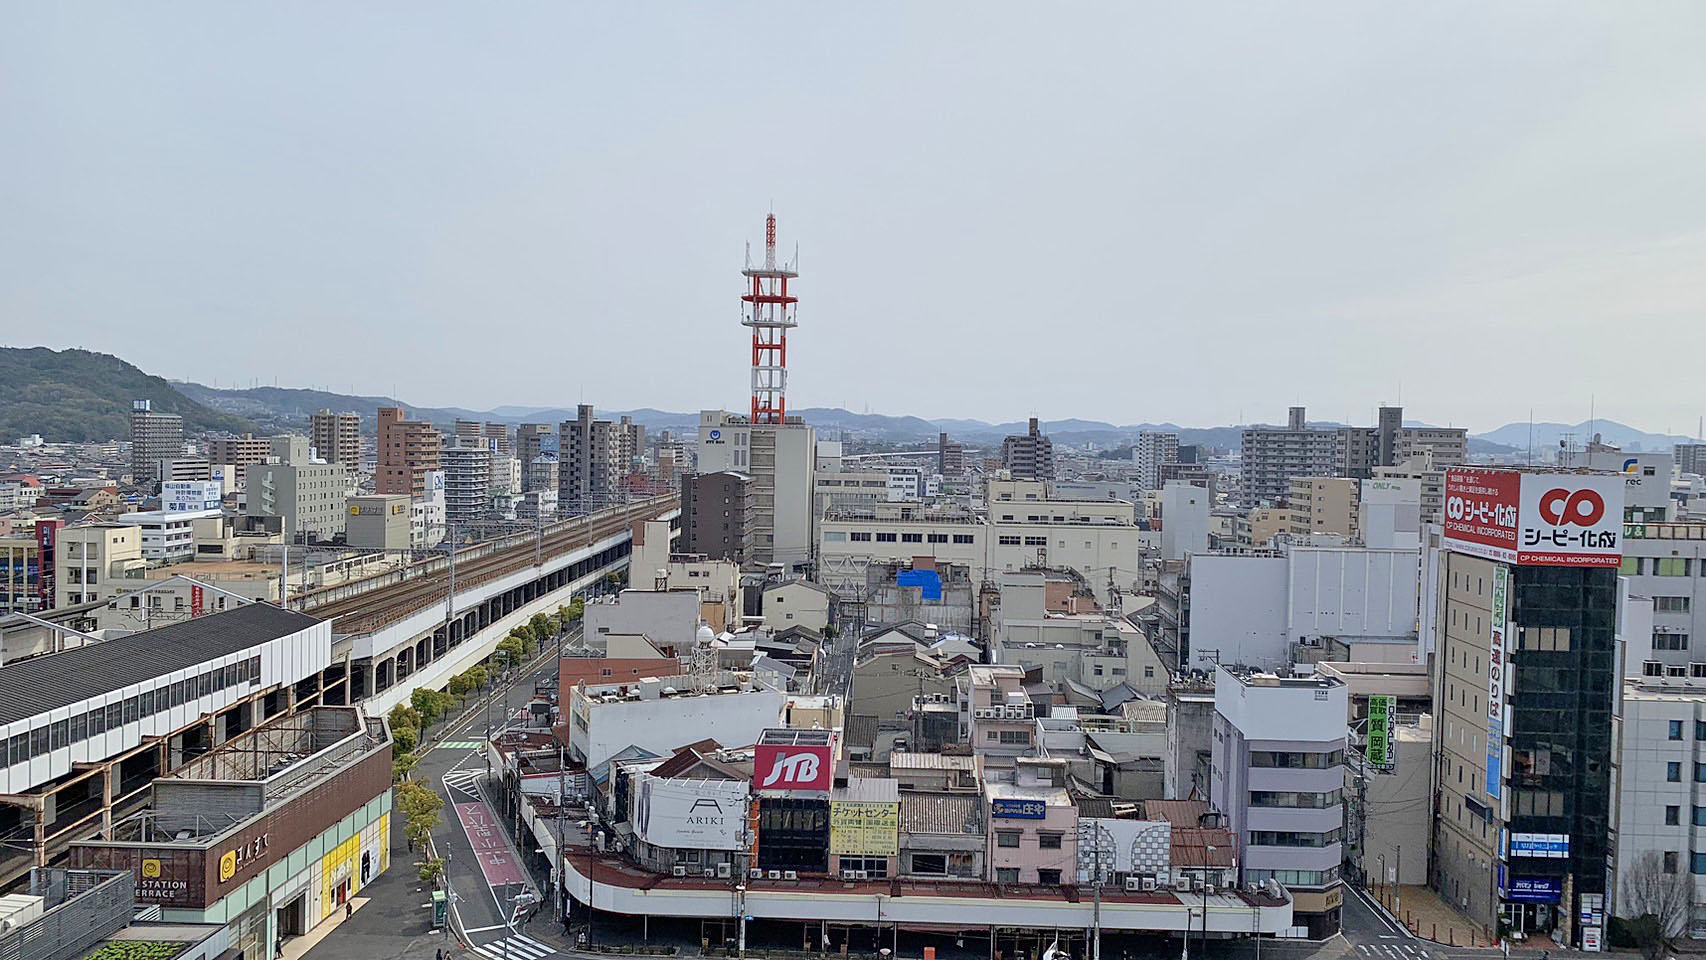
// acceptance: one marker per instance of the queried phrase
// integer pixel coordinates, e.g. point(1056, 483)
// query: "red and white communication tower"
point(769, 311)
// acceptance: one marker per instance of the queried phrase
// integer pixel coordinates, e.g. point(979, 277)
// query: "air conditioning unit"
point(790, 875)
point(849, 874)
point(980, 714)
point(774, 874)
point(1184, 885)
point(1148, 884)
point(725, 869)
point(862, 874)
point(709, 872)
point(681, 871)
point(756, 874)
point(1208, 888)
point(1131, 884)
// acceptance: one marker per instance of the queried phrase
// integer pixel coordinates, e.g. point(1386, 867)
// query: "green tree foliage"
point(477, 676)
point(430, 704)
point(541, 626)
point(403, 766)
point(459, 685)
point(420, 807)
point(77, 395)
point(511, 645)
point(431, 871)
point(404, 738)
point(404, 715)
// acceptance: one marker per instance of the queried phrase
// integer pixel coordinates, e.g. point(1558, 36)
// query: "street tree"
point(1659, 897)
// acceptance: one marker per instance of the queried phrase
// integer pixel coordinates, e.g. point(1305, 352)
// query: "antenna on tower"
point(769, 311)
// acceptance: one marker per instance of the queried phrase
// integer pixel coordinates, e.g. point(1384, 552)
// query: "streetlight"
point(492, 691)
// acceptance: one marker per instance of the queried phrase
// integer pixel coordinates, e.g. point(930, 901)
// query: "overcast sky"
point(1128, 211)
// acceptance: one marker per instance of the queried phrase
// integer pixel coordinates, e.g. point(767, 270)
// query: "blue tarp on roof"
point(928, 582)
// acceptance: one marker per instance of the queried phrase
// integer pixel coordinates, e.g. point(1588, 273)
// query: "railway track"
point(372, 603)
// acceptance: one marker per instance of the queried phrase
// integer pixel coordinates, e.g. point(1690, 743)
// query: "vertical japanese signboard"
point(1381, 710)
point(1496, 682)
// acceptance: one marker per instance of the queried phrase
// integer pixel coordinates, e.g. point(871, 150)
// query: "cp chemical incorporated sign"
point(1535, 519)
point(791, 767)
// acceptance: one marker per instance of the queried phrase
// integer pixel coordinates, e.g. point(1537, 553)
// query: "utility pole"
point(562, 786)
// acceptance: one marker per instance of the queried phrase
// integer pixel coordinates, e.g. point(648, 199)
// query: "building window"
point(1006, 874)
point(930, 864)
point(1007, 541)
point(1049, 841)
point(1673, 772)
point(1048, 878)
point(1699, 816)
point(1670, 604)
point(1007, 838)
point(938, 538)
point(1016, 737)
point(860, 537)
point(1676, 730)
point(1673, 815)
point(1668, 640)
point(1652, 668)
point(1670, 861)
point(912, 538)
point(962, 538)
point(1670, 566)
point(886, 538)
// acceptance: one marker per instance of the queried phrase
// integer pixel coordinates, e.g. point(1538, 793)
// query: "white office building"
point(781, 459)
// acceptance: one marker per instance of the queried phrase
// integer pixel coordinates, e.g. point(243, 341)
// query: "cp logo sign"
point(1582, 508)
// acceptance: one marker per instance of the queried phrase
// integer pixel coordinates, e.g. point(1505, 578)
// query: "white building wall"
point(1238, 610)
point(1351, 592)
point(601, 730)
point(669, 618)
point(1184, 519)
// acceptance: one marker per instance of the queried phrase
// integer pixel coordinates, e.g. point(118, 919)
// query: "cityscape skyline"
point(1346, 205)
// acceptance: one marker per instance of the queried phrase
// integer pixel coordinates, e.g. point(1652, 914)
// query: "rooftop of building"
point(285, 758)
point(1252, 677)
point(37, 685)
point(1053, 796)
point(867, 790)
point(900, 760)
point(941, 813)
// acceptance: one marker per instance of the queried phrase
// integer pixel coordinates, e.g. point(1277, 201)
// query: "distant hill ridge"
point(79, 395)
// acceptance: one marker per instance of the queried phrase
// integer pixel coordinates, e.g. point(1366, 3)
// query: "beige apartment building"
point(92, 559)
point(1323, 505)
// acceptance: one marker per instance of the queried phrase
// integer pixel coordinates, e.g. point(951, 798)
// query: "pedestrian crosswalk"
point(1398, 950)
point(519, 946)
point(457, 745)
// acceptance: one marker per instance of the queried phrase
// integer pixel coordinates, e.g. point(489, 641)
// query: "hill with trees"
point(77, 395)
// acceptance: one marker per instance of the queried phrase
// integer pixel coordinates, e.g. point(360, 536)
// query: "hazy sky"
point(1128, 211)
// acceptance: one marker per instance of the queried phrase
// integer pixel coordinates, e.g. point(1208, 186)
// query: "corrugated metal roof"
point(930, 761)
point(941, 813)
point(867, 790)
point(34, 686)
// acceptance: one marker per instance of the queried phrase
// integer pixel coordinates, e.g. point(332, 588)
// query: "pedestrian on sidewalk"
point(349, 909)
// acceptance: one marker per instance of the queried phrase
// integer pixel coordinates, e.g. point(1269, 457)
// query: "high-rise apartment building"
point(630, 447)
point(1323, 505)
point(408, 451)
point(1030, 455)
point(153, 437)
point(533, 440)
point(237, 451)
point(1525, 678)
point(1691, 458)
point(781, 458)
point(1151, 451)
point(716, 515)
point(589, 469)
point(336, 437)
point(467, 465)
point(950, 456)
point(1271, 456)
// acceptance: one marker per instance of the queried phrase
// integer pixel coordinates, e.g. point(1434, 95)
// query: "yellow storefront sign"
point(864, 829)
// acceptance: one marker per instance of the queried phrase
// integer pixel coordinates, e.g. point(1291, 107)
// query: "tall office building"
point(1271, 456)
point(781, 458)
point(1525, 676)
point(153, 437)
point(1388, 422)
point(337, 437)
point(1151, 451)
point(408, 451)
point(1030, 455)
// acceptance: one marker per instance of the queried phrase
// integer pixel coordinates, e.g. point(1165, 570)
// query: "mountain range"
point(80, 395)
